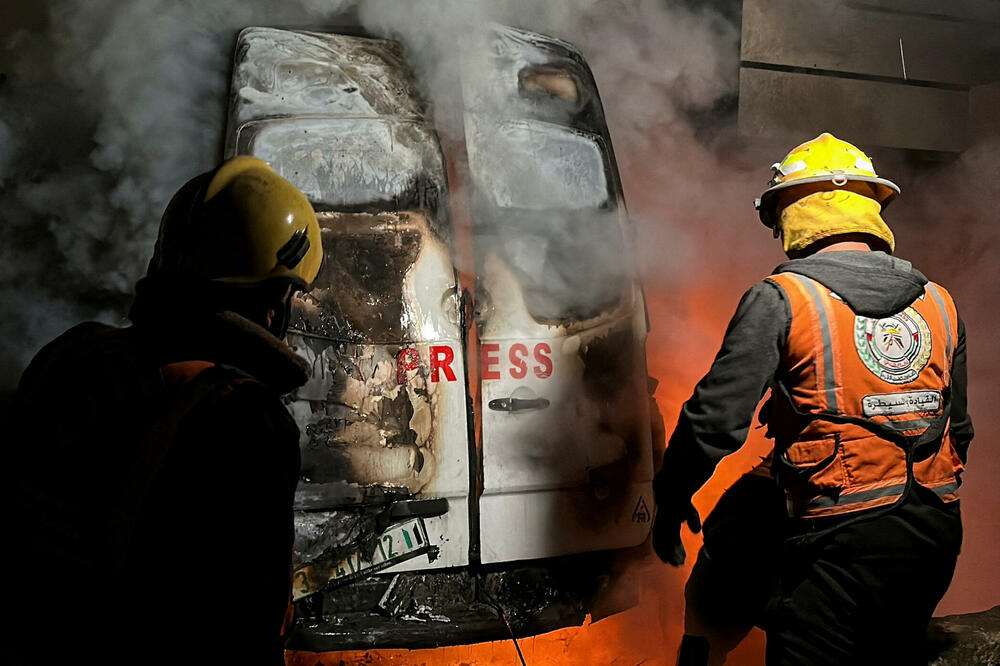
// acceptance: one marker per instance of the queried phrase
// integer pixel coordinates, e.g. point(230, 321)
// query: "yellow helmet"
point(240, 223)
point(822, 164)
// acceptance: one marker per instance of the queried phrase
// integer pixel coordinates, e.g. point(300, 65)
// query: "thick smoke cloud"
point(665, 56)
point(108, 106)
point(657, 64)
point(105, 110)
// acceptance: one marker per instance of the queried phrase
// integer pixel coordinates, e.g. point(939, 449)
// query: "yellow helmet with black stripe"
point(240, 223)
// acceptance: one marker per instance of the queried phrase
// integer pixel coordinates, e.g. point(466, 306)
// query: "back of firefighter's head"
point(239, 238)
point(823, 191)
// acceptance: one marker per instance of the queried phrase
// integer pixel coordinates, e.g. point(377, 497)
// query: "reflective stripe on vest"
point(829, 371)
point(858, 393)
point(944, 313)
point(888, 494)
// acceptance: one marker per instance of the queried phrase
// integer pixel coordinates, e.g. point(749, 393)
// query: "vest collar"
point(873, 284)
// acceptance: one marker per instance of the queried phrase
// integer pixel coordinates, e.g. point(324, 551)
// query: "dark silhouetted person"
point(150, 470)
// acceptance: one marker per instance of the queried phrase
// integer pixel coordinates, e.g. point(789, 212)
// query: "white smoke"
point(656, 65)
point(104, 112)
point(112, 105)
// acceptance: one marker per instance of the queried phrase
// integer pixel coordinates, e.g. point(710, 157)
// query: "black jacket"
point(202, 572)
point(715, 421)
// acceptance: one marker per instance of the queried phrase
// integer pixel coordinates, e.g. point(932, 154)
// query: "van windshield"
point(544, 204)
point(354, 164)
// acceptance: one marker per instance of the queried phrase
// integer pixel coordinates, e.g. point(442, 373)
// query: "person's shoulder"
point(93, 379)
point(86, 338)
point(940, 288)
point(765, 303)
point(766, 291)
point(74, 352)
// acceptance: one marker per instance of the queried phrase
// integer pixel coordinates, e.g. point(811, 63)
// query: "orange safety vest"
point(866, 401)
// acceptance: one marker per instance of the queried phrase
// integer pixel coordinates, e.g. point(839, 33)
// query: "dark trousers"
point(825, 591)
point(864, 593)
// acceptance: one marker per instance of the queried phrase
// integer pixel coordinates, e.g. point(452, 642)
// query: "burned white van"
point(475, 456)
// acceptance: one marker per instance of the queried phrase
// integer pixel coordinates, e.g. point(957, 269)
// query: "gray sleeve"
point(714, 422)
point(961, 422)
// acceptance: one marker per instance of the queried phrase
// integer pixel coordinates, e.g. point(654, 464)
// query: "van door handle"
point(517, 404)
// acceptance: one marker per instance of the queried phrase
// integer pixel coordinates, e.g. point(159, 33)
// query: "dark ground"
point(972, 639)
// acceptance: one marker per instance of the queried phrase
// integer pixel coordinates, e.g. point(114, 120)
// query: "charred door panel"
point(383, 418)
point(566, 450)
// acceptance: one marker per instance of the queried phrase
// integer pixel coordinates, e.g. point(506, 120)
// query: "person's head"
point(826, 191)
point(238, 238)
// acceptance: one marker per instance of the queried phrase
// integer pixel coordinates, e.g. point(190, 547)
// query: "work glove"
point(667, 529)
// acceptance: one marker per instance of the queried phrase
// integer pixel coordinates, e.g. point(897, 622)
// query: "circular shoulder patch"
point(896, 348)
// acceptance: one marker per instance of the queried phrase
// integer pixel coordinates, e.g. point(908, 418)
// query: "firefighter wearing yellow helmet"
point(171, 442)
point(823, 188)
point(237, 236)
point(844, 558)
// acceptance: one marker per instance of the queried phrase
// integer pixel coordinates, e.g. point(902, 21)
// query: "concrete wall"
point(908, 74)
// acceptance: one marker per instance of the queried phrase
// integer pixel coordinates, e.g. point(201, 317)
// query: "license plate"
point(401, 542)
